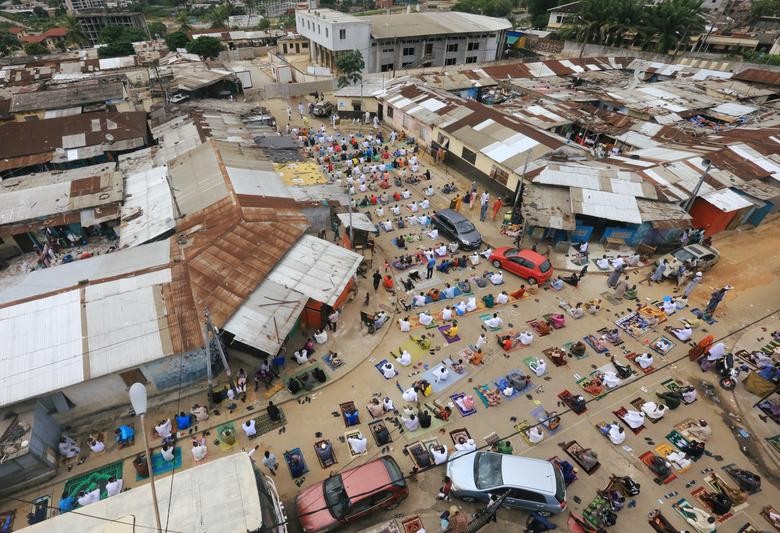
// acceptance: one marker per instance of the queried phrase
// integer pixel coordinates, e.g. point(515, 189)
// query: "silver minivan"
point(530, 484)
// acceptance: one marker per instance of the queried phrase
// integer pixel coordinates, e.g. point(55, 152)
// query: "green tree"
point(183, 20)
point(265, 23)
point(75, 35)
point(8, 43)
point(177, 39)
point(218, 16)
point(157, 30)
point(40, 12)
point(35, 49)
point(116, 49)
point(538, 11)
point(763, 8)
point(490, 8)
point(605, 21)
point(350, 66)
point(205, 47)
point(116, 34)
point(671, 22)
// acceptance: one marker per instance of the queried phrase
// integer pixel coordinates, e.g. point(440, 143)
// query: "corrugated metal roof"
point(755, 75)
point(548, 207)
point(432, 23)
point(734, 109)
point(727, 200)
point(605, 205)
point(147, 211)
point(359, 221)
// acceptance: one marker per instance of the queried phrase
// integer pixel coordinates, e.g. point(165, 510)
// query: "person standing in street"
point(270, 462)
point(333, 319)
point(429, 267)
point(497, 207)
point(715, 299)
point(377, 279)
point(692, 285)
point(484, 200)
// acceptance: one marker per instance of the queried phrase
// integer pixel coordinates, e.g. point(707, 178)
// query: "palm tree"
point(626, 16)
point(218, 16)
point(671, 22)
point(183, 19)
point(350, 67)
point(75, 35)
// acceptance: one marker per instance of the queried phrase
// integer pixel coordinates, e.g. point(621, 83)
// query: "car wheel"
point(532, 281)
point(496, 263)
point(468, 499)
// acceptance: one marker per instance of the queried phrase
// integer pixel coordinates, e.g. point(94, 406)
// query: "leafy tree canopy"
point(35, 49)
point(157, 30)
point(490, 8)
point(8, 43)
point(205, 47)
point(350, 67)
point(116, 49)
point(177, 39)
point(116, 34)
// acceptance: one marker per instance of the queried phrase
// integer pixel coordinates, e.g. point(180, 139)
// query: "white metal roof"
point(606, 205)
point(359, 221)
point(267, 316)
point(734, 109)
point(316, 268)
point(147, 211)
point(432, 23)
point(727, 200)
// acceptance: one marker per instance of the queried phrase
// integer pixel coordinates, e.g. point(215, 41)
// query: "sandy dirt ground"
point(748, 313)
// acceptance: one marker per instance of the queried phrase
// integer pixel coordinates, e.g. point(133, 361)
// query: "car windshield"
point(683, 255)
point(487, 470)
point(464, 226)
point(396, 476)
point(544, 267)
point(335, 496)
point(511, 252)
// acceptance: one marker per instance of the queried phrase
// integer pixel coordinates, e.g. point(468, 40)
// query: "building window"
point(559, 19)
point(342, 34)
point(428, 48)
point(468, 155)
point(387, 67)
point(406, 64)
point(471, 59)
point(409, 51)
point(306, 45)
point(389, 111)
point(318, 29)
point(452, 47)
point(473, 46)
point(451, 61)
point(326, 31)
point(388, 50)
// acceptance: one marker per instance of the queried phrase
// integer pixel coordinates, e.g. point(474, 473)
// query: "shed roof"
point(401, 25)
point(82, 93)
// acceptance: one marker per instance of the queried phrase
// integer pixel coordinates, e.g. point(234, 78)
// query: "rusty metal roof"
point(755, 75)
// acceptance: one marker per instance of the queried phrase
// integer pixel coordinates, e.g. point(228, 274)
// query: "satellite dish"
point(60, 150)
point(109, 137)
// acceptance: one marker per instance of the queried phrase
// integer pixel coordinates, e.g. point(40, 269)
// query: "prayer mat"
point(467, 353)
point(663, 345)
point(458, 396)
point(343, 407)
point(774, 442)
point(274, 388)
point(637, 403)
point(437, 385)
point(746, 358)
point(7, 519)
point(585, 381)
point(161, 466)
point(418, 453)
point(664, 450)
point(351, 435)
point(564, 395)
point(502, 383)
point(647, 459)
point(413, 348)
point(632, 357)
point(729, 469)
point(698, 313)
point(528, 361)
point(713, 480)
point(534, 325)
point(94, 478)
point(41, 502)
point(631, 319)
point(567, 347)
point(488, 396)
point(770, 407)
point(307, 370)
point(659, 522)
point(486, 316)
point(609, 367)
point(604, 331)
point(491, 438)
point(264, 424)
point(682, 506)
point(325, 462)
point(620, 413)
point(673, 385)
point(748, 528)
point(516, 344)
point(570, 450)
point(610, 297)
point(603, 428)
point(226, 427)
point(375, 427)
point(379, 365)
point(699, 494)
point(457, 434)
point(450, 340)
point(329, 361)
point(522, 427)
point(561, 361)
point(677, 439)
point(548, 318)
point(767, 513)
point(412, 524)
point(590, 340)
point(540, 414)
point(291, 457)
point(683, 426)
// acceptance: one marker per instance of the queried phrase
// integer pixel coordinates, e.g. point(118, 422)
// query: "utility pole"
point(707, 163)
point(208, 330)
point(483, 518)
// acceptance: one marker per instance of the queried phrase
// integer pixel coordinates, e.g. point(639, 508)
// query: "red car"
point(526, 263)
point(351, 495)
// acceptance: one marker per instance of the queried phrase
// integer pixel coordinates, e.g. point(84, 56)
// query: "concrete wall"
point(326, 32)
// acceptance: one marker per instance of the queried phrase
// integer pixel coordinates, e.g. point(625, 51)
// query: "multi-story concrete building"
point(407, 40)
point(84, 5)
point(93, 23)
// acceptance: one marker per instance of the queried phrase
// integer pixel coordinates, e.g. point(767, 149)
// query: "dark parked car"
point(455, 226)
point(323, 109)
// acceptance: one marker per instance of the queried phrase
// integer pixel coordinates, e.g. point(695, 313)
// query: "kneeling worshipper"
point(388, 371)
point(439, 454)
point(358, 444)
point(610, 379)
point(425, 319)
point(653, 410)
point(535, 435)
point(525, 338)
point(644, 360)
point(405, 359)
point(616, 434)
point(634, 419)
point(410, 395)
point(464, 445)
point(539, 367)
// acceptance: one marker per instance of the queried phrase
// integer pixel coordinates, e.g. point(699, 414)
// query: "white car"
point(703, 257)
point(179, 97)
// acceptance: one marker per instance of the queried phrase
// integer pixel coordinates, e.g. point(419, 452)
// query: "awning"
point(512, 39)
point(359, 221)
